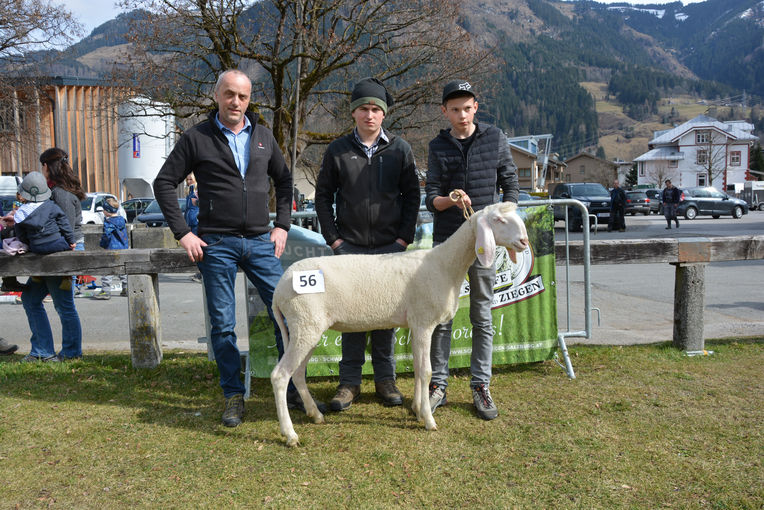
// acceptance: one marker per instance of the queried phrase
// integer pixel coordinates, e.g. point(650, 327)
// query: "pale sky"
point(92, 13)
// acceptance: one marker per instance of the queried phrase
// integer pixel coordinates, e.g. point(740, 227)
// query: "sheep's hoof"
point(292, 440)
point(319, 418)
point(431, 425)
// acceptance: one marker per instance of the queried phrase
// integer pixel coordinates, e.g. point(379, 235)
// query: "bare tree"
point(413, 46)
point(33, 25)
point(711, 155)
point(659, 172)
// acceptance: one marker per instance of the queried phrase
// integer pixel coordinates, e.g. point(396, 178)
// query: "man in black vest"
point(466, 165)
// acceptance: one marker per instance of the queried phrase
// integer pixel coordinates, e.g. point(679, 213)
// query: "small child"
point(39, 222)
point(114, 238)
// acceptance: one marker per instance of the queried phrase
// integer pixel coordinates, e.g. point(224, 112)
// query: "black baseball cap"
point(457, 87)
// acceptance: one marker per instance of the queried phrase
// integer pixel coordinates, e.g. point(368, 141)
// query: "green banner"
point(524, 308)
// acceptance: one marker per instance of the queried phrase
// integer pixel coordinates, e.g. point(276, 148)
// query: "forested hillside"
point(552, 55)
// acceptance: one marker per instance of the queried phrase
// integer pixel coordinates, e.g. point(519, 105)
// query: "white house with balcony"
point(701, 152)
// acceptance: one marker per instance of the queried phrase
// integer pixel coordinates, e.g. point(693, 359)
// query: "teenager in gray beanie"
point(371, 175)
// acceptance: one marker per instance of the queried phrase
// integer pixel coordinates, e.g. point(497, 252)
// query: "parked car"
point(135, 206)
point(9, 184)
point(655, 200)
point(152, 216)
point(637, 202)
point(592, 194)
point(92, 208)
point(708, 201)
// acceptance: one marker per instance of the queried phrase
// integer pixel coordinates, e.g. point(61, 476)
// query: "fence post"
point(689, 301)
point(145, 328)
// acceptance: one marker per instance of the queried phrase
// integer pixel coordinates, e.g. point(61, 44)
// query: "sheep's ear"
point(485, 244)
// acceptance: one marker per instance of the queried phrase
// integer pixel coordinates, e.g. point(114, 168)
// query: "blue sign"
point(136, 146)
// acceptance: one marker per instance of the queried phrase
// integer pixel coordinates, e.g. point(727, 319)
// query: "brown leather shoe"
point(388, 393)
point(346, 395)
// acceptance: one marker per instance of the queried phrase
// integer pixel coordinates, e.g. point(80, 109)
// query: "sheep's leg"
point(307, 399)
point(422, 374)
point(279, 381)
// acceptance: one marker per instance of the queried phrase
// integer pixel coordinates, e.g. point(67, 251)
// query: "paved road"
point(635, 300)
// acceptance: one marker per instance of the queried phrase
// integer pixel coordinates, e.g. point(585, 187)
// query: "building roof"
point(735, 130)
point(661, 154)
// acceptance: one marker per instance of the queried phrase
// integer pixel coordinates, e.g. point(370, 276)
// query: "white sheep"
point(418, 289)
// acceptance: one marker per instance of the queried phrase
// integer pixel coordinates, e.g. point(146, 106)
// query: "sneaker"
point(346, 395)
point(31, 358)
point(7, 348)
point(123, 292)
point(481, 397)
point(294, 401)
point(197, 278)
point(47, 299)
point(102, 295)
point(234, 410)
point(437, 396)
point(388, 393)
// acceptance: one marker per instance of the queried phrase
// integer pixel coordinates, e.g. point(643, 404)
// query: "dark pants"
point(617, 220)
point(382, 340)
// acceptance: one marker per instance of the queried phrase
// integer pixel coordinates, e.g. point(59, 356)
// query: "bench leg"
point(145, 328)
point(689, 301)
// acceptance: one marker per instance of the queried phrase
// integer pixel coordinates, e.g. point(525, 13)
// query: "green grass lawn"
point(641, 427)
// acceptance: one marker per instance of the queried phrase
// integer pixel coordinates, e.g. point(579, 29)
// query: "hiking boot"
point(437, 396)
point(7, 348)
point(346, 395)
point(388, 393)
point(234, 410)
point(31, 358)
point(102, 295)
point(484, 405)
point(294, 401)
point(63, 358)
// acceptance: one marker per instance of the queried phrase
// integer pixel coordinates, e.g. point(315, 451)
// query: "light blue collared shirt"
point(239, 143)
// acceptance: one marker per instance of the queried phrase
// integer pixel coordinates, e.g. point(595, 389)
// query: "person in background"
point(370, 176)
point(44, 227)
point(191, 215)
point(114, 237)
point(670, 198)
point(617, 208)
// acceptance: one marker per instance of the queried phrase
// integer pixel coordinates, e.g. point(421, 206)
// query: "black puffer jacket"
point(228, 203)
point(377, 199)
point(487, 166)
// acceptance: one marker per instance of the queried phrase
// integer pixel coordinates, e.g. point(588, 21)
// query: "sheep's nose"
point(524, 242)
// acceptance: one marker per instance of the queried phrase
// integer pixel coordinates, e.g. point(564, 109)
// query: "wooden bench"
point(143, 265)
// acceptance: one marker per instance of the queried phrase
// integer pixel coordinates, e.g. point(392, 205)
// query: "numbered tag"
point(308, 282)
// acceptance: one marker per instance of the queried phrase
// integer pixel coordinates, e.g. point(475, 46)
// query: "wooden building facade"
point(76, 115)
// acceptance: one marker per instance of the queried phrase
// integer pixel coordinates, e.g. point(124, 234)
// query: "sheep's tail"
point(280, 321)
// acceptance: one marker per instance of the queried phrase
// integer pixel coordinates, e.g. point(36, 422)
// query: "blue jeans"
point(60, 289)
point(223, 255)
point(382, 340)
point(481, 295)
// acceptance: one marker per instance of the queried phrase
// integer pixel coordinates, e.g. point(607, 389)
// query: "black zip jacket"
point(487, 166)
point(377, 199)
point(228, 203)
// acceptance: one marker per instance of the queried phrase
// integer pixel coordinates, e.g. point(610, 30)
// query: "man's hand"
point(193, 246)
point(278, 238)
point(457, 197)
point(336, 243)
